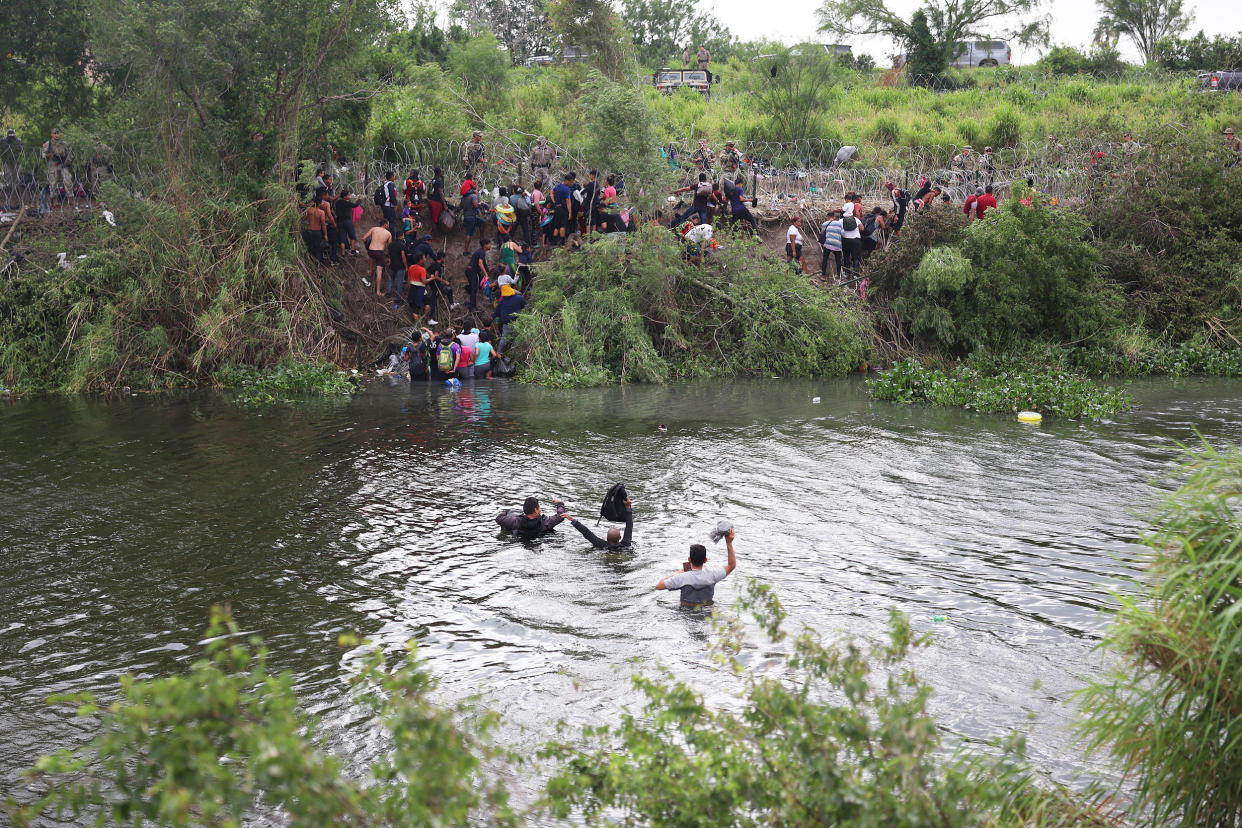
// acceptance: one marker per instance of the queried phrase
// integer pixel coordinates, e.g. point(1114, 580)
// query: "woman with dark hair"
point(486, 352)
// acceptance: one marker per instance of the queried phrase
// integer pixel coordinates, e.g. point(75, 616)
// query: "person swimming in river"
point(531, 523)
point(698, 582)
point(613, 540)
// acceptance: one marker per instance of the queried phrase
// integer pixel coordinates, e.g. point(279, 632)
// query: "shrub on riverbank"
point(633, 309)
point(186, 286)
point(1170, 707)
point(1046, 390)
point(1026, 271)
point(1121, 359)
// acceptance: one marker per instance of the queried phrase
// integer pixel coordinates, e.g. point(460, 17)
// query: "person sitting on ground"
point(377, 240)
point(698, 583)
point(613, 540)
point(531, 523)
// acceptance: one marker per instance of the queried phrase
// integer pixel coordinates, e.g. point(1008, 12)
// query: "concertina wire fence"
point(776, 172)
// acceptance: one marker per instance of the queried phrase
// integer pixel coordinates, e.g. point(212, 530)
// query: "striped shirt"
point(832, 234)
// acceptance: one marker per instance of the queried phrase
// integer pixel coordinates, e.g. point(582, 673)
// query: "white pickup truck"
point(1221, 81)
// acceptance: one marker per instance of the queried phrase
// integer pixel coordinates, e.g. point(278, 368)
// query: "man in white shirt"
point(698, 583)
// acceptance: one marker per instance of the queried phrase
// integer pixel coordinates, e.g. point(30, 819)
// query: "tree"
point(482, 66)
point(43, 59)
point(1146, 22)
point(949, 21)
point(1170, 706)
point(230, 739)
point(593, 29)
point(520, 25)
point(790, 89)
point(1200, 54)
point(662, 28)
point(211, 75)
point(927, 57)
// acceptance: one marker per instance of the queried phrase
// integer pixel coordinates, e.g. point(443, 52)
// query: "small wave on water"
point(122, 522)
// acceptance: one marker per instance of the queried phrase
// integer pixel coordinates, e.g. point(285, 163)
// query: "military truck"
point(670, 80)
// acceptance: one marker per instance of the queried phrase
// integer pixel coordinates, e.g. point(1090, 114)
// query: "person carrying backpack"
point(613, 540)
point(830, 237)
point(851, 240)
point(448, 355)
point(386, 199)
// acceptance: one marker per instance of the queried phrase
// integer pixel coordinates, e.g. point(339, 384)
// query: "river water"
point(123, 521)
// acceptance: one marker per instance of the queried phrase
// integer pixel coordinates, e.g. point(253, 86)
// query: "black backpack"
point(614, 503)
point(868, 225)
point(381, 196)
point(849, 224)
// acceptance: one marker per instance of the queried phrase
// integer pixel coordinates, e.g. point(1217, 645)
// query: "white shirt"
point(795, 232)
point(706, 576)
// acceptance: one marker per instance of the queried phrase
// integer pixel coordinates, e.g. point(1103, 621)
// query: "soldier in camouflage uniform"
point(473, 154)
point(542, 159)
point(99, 167)
point(1234, 145)
point(987, 168)
point(10, 161)
point(56, 152)
point(730, 159)
point(963, 166)
point(703, 157)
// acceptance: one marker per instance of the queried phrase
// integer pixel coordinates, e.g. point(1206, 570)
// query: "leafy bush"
point(634, 310)
point(258, 386)
point(1142, 359)
point(1170, 707)
point(922, 231)
point(182, 288)
point(827, 743)
point(1173, 249)
point(1011, 389)
point(1026, 271)
point(482, 66)
point(230, 739)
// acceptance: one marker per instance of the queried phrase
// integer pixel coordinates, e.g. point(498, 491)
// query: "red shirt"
point(970, 202)
point(417, 274)
point(983, 203)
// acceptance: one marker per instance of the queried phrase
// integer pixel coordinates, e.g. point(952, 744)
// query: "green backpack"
point(445, 360)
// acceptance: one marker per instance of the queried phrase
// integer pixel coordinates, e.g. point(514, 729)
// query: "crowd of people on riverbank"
point(502, 229)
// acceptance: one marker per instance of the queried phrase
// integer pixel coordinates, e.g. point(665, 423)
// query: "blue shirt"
point(485, 353)
point(563, 194)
